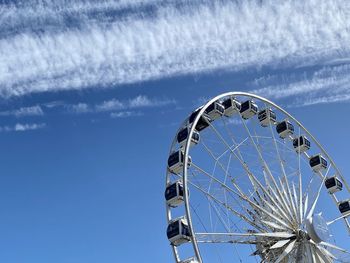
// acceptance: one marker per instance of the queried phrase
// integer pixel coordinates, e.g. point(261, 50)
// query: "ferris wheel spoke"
point(280, 159)
point(233, 139)
point(328, 255)
point(280, 198)
point(296, 201)
point(242, 162)
point(313, 207)
point(321, 258)
point(225, 170)
point(274, 225)
point(306, 205)
point(222, 184)
point(280, 243)
point(250, 174)
point(276, 204)
point(336, 219)
point(275, 211)
point(285, 204)
point(241, 238)
point(228, 207)
point(300, 181)
point(326, 244)
point(286, 251)
point(262, 160)
point(245, 198)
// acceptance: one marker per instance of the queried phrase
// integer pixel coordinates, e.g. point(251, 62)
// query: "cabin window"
point(330, 182)
point(181, 190)
point(195, 136)
point(174, 159)
point(245, 106)
point(324, 162)
point(210, 108)
point(281, 127)
point(227, 103)
point(193, 116)
point(185, 230)
point(220, 108)
point(201, 124)
point(173, 229)
point(315, 161)
point(171, 191)
point(344, 207)
point(182, 135)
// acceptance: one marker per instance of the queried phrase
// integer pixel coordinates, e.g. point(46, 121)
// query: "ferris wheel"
point(246, 182)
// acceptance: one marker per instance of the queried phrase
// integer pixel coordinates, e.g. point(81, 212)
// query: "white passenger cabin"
point(189, 260)
point(176, 160)
point(333, 184)
point(284, 129)
point(232, 106)
point(248, 109)
point(344, 207)
point(174, 194)
point(266, 117)
point(318, 163)
point(178, 231)
point(183, 135)
point(301, 144)
point(215, 110)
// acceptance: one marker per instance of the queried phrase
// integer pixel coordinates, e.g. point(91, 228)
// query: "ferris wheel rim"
point(187, 149)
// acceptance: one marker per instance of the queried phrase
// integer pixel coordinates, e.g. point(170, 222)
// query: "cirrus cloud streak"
point(171, 41)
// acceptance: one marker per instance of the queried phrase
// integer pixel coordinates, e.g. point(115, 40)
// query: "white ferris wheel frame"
point(194, 242)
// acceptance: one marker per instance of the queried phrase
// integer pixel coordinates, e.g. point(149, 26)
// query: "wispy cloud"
point(19, 127)
point(326, 85)
point(140, 101)
point(125, 114)
point(97, 48)
point(143, 101)
point(110, 105)
point(78, 108)
point(25, 111)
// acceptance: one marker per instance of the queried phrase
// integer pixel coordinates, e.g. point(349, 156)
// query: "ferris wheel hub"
point(317, 228)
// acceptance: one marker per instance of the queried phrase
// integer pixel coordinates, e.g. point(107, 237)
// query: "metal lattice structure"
point(244, 177)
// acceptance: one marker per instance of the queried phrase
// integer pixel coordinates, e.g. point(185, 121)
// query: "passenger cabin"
point(189, 260)
point(266, 117)
point(301, 144)
point(248, 109)
point(174, 194)
point(183, 135)
point(318, 163)
point(203, 121)
point(231, 106)
point(176, 160)
point(178, 231)
point(215, 110)
point(344, 207)
point(333, 184)
point(284, 129)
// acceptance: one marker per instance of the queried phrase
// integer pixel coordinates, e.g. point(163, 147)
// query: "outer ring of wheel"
point(186, 152)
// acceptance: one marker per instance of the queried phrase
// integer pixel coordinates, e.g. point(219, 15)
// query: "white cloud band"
point(172, 41)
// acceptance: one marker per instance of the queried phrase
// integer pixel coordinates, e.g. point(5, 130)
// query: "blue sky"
point(92, 93)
